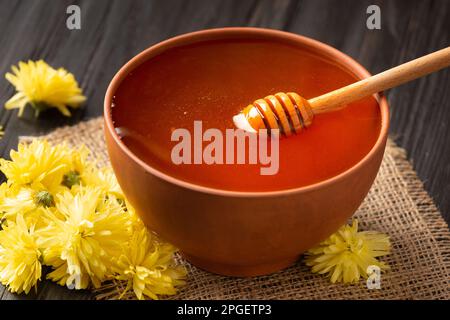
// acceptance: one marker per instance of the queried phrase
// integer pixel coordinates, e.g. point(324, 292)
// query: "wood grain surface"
point(113, 31)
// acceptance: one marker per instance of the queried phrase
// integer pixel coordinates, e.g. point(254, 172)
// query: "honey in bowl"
point(210, 81)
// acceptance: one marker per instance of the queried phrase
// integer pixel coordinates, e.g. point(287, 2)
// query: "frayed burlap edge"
point(397, 205)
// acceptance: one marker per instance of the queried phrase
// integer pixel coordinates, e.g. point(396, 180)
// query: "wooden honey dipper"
point(291, 113)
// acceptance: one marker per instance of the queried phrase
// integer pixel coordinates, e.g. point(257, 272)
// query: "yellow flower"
point(20, 266)
point(25, 202)
point(58, 209)
point(4, 192)
point(147, 267)
point(81, 245)
point(43, 87)
point(78, 168)
point(38, 165)
point(346, 254)
point(104, 179)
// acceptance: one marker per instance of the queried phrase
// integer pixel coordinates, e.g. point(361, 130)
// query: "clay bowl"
point(241, 233)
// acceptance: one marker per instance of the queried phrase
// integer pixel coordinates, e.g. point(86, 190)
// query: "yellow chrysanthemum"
point(25, 202)
point(147, 268)
point(4, 192)
point(346, 254)
point(79, 223)
point(38, 165)
point(79, 167)
point(21, 202)
point(81, 245)
point(104, 179)
point(43, 87)
point(20, 266)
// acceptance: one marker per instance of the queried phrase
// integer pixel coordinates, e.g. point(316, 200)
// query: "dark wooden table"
point(113, 31)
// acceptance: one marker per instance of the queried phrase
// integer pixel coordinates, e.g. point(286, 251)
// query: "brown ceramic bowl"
point(241, 233)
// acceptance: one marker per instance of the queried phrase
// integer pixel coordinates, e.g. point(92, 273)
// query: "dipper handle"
point(388, 79)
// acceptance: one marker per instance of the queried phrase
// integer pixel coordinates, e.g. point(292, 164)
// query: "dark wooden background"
point(113, 31)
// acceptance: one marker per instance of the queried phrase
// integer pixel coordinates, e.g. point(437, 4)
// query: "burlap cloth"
point(397, 205)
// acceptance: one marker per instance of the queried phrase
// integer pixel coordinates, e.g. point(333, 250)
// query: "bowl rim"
point(222, 33)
